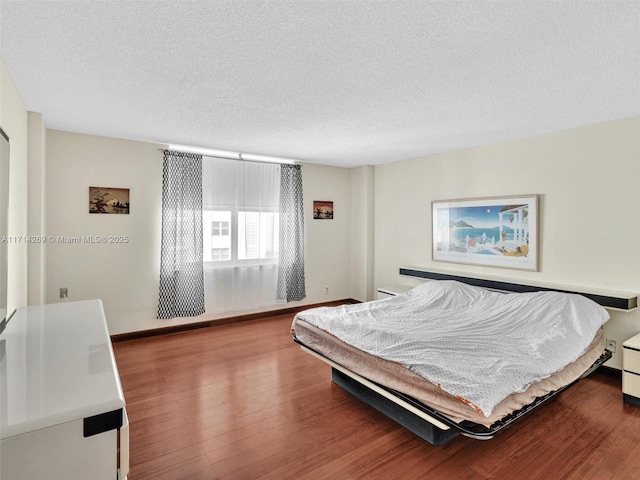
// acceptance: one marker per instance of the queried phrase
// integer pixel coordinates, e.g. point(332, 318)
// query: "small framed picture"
point(322, 210)
point(108, 200)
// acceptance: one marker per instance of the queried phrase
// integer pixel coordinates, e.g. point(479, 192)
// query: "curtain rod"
point(240, 156)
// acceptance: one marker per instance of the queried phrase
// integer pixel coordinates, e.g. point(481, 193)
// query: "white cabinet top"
point(633, 342)
point(57, 366)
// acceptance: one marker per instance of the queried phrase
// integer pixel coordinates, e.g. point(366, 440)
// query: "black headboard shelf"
point(609, 299)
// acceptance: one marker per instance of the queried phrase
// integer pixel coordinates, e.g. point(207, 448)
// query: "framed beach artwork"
point(496, 232)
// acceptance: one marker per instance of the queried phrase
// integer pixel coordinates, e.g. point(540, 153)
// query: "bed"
point(447, 358)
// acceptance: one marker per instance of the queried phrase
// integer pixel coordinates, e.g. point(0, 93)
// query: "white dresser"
point(631, 370)
point(62, 410)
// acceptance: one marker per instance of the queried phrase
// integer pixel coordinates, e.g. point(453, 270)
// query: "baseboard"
point(121, 337)
point(610, 372)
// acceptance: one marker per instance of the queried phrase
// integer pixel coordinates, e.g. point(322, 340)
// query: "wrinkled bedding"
point(401, 379)
point(475, 345)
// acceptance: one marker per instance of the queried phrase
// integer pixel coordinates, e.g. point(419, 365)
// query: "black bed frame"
point(608, 299)
point(427, 422)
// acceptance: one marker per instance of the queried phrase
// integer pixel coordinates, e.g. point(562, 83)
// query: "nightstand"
point(631, 370)
point(393, 290)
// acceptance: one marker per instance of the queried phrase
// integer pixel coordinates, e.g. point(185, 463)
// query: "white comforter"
point(475, 344)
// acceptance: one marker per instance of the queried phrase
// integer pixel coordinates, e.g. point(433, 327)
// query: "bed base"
point(428, 423)
point(412, 422)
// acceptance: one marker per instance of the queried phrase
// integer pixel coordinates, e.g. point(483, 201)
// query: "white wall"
point(125, 276)
point(327, 242)
point(37, 208)
point(13, 120)
point(362, 245)
point(587, 179)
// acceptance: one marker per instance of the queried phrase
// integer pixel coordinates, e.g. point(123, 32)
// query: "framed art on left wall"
point(108, 200)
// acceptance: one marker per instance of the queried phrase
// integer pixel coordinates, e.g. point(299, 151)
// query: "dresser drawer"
point(631, 384)
point(630, 360)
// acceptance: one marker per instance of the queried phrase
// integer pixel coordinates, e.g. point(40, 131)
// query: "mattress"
point(397, 377)
point(469, 353)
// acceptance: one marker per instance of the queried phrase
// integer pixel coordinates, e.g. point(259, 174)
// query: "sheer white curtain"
point(240, 234)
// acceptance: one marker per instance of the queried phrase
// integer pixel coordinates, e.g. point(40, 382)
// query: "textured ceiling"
point(335, 82)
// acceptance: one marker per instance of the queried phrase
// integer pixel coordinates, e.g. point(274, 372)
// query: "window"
point(216, 242)
point(219, 228)
point(240, 212)
point(257, 235)
point(218, 254)
point(243, 264)
point(241, 202)
point(240, 235)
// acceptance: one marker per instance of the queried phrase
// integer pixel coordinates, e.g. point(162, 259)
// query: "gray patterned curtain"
point(291, 257)
point(181, 269)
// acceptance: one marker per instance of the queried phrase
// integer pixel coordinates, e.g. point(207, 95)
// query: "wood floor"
point(242, 401)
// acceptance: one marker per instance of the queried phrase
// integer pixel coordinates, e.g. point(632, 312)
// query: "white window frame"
point(233, 230)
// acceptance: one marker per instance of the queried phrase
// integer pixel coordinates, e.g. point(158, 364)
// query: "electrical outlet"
point(64, 293)
point(610, 345)
point(326, 290)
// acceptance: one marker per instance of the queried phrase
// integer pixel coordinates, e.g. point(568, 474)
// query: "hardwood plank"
point(161, 445)
point(183, 469)
point(146, 428)
point(243, 401)
point(354, 453)
point(162, 466)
